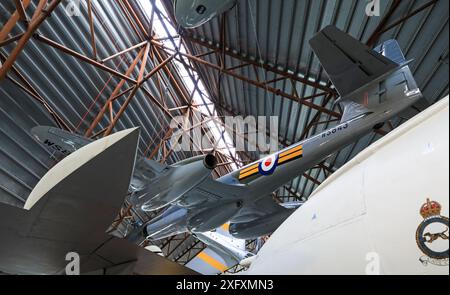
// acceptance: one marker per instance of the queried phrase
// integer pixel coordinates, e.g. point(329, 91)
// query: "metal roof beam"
point(186, 236)
point(91, 27)
point(114, 95)
point(403, 19)
point(267, 67)
point(376, 33)
point(188, 251)
point(136, 18)
point(20, 10)
point(141, 79)
point(81, 57)
point(130, 21)
point(39, 17)
point(10, 40)
point(315, 119)
point(11, 23)
point(253, 82)
point(124, 51)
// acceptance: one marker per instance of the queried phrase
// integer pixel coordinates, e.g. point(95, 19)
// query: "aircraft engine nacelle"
point(193, 13)
point(212, 218)
point(259, 227)
point(177, 181)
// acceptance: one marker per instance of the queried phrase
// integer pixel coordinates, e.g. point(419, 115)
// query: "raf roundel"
point(268, 165)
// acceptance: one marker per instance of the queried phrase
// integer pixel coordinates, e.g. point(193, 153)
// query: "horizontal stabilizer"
point(391, 49)
point(348, 63)
point(264, 216)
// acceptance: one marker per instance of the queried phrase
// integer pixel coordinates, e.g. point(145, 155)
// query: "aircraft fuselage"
point(263, 177)
point(294, 160)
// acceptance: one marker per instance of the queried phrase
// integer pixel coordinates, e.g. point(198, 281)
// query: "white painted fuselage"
point(371, 216)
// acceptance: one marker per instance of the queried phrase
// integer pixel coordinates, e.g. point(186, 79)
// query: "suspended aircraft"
point(374, 86)
point(194, 13)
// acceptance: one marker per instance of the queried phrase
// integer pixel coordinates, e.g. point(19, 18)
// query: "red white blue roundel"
point(268, 165)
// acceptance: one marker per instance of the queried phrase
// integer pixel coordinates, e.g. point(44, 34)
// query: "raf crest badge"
point(432, 235)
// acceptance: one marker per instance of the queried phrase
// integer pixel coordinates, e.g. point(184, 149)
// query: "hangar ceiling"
point(119, 64)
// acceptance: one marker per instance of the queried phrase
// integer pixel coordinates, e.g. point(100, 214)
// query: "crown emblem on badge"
point(430, 208)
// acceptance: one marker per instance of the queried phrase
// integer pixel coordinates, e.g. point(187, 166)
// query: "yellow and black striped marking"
point(282, 158)
point(290, 155)
point(249, 171)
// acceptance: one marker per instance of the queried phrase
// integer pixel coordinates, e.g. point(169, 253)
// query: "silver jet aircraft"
point(374, 86)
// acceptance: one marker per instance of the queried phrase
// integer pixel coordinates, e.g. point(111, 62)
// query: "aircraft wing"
point(348, 63)
point(262, 207)
point(211, 191)
point(258, 218)
point(70, 210)
point(259, 208)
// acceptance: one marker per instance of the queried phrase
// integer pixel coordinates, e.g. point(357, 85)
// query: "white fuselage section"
point(366, 218)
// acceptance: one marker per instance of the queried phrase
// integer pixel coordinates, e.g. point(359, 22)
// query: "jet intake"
point(210, 162)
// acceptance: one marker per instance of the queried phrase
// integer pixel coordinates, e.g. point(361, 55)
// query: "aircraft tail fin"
point(349, 64)
point(364, 78)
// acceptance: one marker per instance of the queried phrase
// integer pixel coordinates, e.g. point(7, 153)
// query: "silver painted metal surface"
point(373, 81)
